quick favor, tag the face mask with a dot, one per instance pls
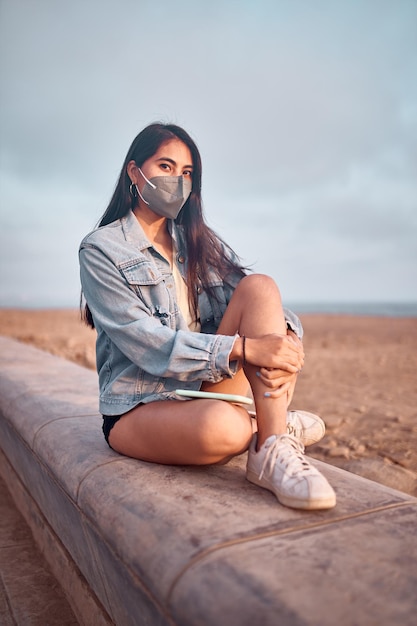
(165, 195)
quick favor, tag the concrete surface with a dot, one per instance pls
(150, 544)
(29, 592)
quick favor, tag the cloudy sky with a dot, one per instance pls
(305, 112)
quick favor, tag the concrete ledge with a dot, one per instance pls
(138, 543)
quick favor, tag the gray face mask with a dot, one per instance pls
(165, 195)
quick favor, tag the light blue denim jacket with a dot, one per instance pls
(144, 348)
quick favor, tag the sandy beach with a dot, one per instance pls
(360, 376)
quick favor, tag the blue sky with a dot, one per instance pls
(305, 113)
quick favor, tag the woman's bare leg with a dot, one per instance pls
(210, 431)
(191, 432)
(255, 310)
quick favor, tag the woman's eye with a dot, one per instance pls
(165, 167)
(187, 173)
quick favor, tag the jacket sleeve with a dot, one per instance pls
(142, 337)
(294, 323)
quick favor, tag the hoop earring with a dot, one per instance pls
(133, 190)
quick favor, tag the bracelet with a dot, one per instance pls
(244, 350)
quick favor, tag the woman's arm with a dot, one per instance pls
(137, 333)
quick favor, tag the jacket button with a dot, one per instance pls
(181, 259)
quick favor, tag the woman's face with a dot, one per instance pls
(173, 158)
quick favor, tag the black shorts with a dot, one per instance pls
(108, 423)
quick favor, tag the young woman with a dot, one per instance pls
(174, 309)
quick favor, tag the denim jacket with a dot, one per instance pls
(144, 348)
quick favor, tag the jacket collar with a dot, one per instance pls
(135, 235)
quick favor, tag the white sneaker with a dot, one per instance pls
(281, 467)
(307, 427)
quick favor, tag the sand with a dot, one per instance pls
(359, 375)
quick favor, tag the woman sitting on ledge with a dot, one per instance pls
(174, 309)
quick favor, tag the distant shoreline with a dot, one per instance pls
(373, 309)
(366, 309)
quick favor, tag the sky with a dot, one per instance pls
(305, 114)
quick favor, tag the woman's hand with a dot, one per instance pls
(277, 382)
(275, 352)
(275, 378)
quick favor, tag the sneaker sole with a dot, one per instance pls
(295, 503)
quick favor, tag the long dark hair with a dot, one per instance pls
(205, 249)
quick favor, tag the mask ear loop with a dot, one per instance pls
(134, 192)
(147, 180)
(149, 183)
(140, 195)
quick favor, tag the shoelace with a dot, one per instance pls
(290, 451)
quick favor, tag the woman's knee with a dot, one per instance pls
(257, 282)
(226, 431)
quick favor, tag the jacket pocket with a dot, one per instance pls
(149, 285)
(140, 273)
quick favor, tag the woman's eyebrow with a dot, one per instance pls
(173, 162)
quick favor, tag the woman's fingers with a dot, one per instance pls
(273, 379)
(275, 351)
(285, 354)
(277, 393)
